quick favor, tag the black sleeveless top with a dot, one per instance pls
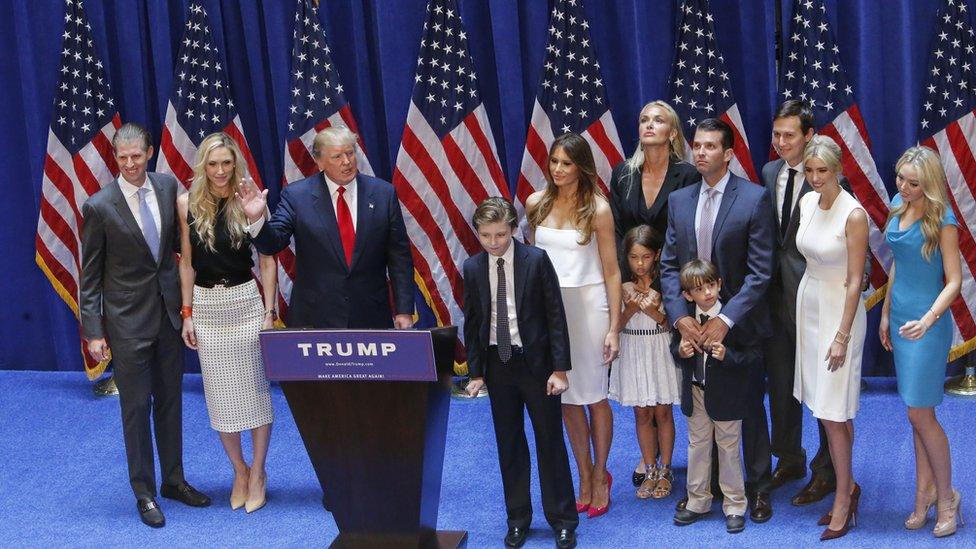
(224, 264)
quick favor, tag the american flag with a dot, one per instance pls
(811, 71)
(317, 103)
(699, 86)
(79, 160)
(447, 163)
(571, 98)
(200, 105)
(948, 125)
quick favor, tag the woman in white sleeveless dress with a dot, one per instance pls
(572, 221)
(830, 323)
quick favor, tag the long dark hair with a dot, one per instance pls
(578, 150)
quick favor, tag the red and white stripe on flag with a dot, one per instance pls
(570, 98)
(317, 102)
(447, 163)
(77, 164)
(948, 125)
(812, 71)
(200, 104)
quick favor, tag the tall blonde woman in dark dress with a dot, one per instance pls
(223, 311)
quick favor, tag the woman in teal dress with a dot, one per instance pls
(915, 323)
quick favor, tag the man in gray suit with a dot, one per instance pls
(130, 299)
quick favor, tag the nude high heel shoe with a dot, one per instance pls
(916, 521)
(948, 527)
(239, 497)
(257, 500)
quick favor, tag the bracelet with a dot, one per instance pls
(186, 311)
(842, 338)
(937, 317)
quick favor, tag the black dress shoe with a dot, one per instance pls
(685, 517)
(516, 536)
(638, 478)
(815, 490)
(735, 524)
(680, 506)
(185, 493)
(566, 538)
(787, 473)
(761, 509)
(150, 513)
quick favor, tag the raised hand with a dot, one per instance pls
(253, 200)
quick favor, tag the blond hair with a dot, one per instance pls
(203, 203)
(676, 145)
(932, 179)
(578, 150)
(825, 149)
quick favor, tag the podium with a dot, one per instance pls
(372, 407)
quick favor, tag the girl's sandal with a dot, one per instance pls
(662, 488)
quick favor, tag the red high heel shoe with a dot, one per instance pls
(855, 498)
(582, 507)
(851, 521)
(594, 512)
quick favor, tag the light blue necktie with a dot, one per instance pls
(149, 229)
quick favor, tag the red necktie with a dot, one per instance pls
(346, 230)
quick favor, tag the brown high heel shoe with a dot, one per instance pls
(855, 498)
(829, 534)
(916, 520)
(948, 527)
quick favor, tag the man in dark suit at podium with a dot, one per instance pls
(349, 235)
(516, 338)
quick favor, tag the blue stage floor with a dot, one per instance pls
(63, 480)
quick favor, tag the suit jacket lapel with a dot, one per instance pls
(485, 294)
(166, 215)
(689, 219)
(122, 209)
(771, 187)
(322, 204)
(521, 276)
(365, 208)
(728, 198)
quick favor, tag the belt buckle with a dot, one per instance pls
(222, 282)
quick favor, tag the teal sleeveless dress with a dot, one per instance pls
(920, 365)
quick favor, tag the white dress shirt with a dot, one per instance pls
(711, 313)
(509, 257)
(784, 174)
(131, 194)
(719, 193)
(350, 197)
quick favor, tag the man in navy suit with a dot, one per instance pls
(517, 341)
(349, 236)
(726, 220)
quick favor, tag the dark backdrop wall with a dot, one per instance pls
(883, 44)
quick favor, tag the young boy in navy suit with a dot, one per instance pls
(517, 343)
(714, 397)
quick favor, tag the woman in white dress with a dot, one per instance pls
(572, 221)
(830, 324)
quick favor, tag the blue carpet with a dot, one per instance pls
(63, 480)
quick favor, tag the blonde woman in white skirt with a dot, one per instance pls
(223, 311)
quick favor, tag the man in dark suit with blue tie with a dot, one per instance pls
(517, 341)
(349, 236)
(130, 299)
(726, 220)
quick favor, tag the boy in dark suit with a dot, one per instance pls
(517, 342)
(714, 393)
